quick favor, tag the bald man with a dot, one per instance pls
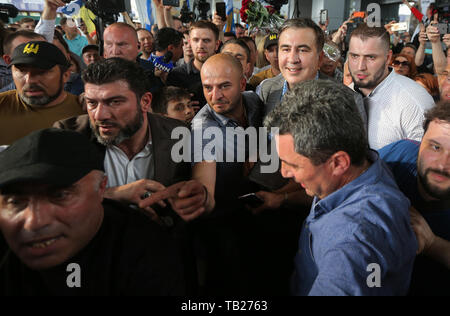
(222, 233)
(121, 40)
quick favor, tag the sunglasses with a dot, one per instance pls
(398, 63)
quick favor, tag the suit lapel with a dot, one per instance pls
(161, 144)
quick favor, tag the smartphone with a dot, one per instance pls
(221, 10)
(251, 200)
(443, 28)
(402, 26)
(173, 3)
(323, 16)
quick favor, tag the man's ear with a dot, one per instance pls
(389, 57)
(339, 163)
(321, 57)
(66, 76)
(243, 83)
(217, 45)
(146, 102)
(7, 59)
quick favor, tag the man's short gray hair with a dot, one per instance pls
(323, 119)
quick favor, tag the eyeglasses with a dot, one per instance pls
(398, 63)
(331, 52)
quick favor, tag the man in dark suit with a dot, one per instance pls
(137, 147)
(136, 143)
(300, 45)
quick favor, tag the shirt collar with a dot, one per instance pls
(145, 152)
(226, 121)
(191, 68)
(335, 199)
(221, 119)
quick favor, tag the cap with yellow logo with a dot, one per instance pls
(38, 54)
(272, 39)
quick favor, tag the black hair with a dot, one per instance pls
(115, 69)
(167, 36)
(167, 94)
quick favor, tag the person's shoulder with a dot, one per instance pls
(7, 94)
(165, 122)
(251, 97)
(181, 69)
(8, 101)
(275, 82)
(401, 150)
(203, 119)
(78, 123)
(410, 93)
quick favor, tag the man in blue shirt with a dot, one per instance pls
(422, 172)
(75, 41)
(357, 239)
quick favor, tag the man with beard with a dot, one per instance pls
(137, 148)
(422, 172)
(395, 104)
(137, 144)
(204, 40)
(40, 71)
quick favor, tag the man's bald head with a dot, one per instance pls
(123, 27)
(227, 60)
(223, 83)
(121, 40)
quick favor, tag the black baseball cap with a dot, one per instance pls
(90, 47)
(49, 156)
(39, 54)
(272, 39)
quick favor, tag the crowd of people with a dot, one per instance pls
(356, 124)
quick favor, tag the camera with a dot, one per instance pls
(7, 11)
(186, 16)
(203, 8)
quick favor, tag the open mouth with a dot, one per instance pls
(293, 70)
(43, 243)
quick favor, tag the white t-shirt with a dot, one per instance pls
(395, 110)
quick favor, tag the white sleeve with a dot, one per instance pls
(46, 28)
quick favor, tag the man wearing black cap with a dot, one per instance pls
(90, 54)
(271, 55)
(59, 237)
(40, 71)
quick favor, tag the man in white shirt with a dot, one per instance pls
(395, 104)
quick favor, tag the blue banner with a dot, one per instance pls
(72, 8)
(229, 27)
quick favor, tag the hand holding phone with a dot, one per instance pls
(251, 200)
(173, 3)
(221, 10)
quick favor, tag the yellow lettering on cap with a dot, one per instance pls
(273, 37)
(31, 48)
